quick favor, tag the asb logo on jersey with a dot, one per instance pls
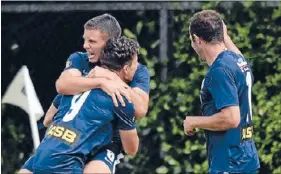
(62, 133)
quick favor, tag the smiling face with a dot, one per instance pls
(94, 41)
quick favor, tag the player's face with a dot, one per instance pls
(94, 41)
(130, 69)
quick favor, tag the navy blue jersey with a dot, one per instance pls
(56, 101)
(84, 124)
(228, 82)
(140, 80)
(80, 61)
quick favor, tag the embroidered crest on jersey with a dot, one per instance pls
(68, 63)
(242, 64)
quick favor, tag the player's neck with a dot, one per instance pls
(122, 76)
(212, 51)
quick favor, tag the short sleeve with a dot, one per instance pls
(74, 61)
(222, 88)
(141, 79)
(125, 117)
(56, 101)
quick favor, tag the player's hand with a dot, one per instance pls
(116, 89)
(224, 30)
(99, 72)
(188, 129)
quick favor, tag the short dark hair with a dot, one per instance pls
(118, 52)
(105, 23)
(207, 25)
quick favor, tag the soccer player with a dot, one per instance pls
(86, 119)
(79, 65)
(73, 80)
(225, 98)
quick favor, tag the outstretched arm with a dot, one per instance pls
(228, 42)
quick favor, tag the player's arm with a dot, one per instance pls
(140, 99)
(52, 110)
(50, 115)
(227, 118)
(228, 42)
(71, 81)
(138, 90)
(224, 92)
(127, 129)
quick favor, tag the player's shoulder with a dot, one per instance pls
(129, 106)
(79, 55)
(99, 93)
(142, 70)
(225, 61)
(233, 62)
(142, 67)
(59, 95)
(228, 59)
(128, 109)
(99, 96)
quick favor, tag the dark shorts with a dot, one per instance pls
(110, 155)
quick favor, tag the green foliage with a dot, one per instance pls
(13, 145)
(164, 147)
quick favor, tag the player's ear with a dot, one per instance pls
(125, 68)
(196, 39)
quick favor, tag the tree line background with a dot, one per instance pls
(43, 42)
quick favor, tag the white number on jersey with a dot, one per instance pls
(249, 84)
(76, 104)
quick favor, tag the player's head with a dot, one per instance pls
(206, 28)
(96, 33)
(121, 55)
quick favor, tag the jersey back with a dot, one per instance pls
(141, 79)
(228, 82)
(83, 123)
